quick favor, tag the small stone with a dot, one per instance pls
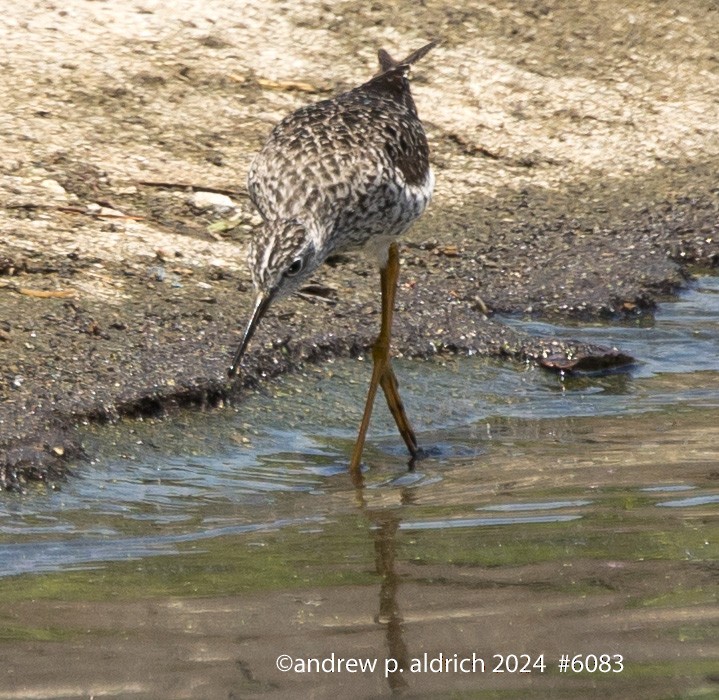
(108, 211)
(54, 188)
(211, 200)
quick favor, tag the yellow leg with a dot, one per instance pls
(388, 382)
(382, 373)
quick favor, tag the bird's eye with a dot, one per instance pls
(295, 268)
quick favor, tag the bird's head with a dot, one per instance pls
(281, 257)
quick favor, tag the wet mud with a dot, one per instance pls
(123, 294)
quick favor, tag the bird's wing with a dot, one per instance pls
(256, 197)
(386, 62)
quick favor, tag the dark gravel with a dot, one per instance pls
(596, 138)
(589, 252)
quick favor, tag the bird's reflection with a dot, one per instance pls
(384, 533)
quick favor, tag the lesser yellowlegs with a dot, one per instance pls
(349, 172)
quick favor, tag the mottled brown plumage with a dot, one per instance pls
(348, 172)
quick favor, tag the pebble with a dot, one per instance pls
(211, 200)
(108, 211)
(54, 188)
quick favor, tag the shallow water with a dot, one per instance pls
(555, 515)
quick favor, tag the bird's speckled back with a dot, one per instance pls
(347, 172)
(350, 168)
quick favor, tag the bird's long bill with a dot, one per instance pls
(262, 301)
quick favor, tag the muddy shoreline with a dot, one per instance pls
(119, 298)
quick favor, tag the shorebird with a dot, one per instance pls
(345, 173)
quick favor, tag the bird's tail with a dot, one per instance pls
(386, 62)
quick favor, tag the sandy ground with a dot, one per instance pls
(576, 148)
